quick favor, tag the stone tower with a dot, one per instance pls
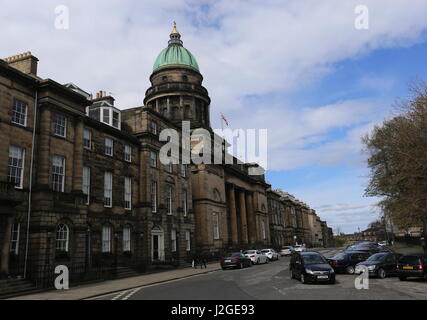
(176, 90)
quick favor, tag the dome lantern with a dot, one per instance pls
(175, 54)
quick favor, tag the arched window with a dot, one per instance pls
(62, 237)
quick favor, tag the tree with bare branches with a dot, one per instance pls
(397, 160)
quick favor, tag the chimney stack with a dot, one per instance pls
(24, 62)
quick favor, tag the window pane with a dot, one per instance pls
(108, 189)
(60, 125)
(16, 166)
(58, 173)
(86, 183)
(87, 137)
(19, 113)
(128, 193)
(106, 239)
(126, 239)
(62, 238)
(154, 197)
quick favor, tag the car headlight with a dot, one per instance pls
(309, 271)
(372, 268)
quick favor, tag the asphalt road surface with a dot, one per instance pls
(272, 282)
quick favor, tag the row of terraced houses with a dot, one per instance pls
(82, 185)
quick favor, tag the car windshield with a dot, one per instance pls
(250, 252)
(265, 251)
(377, 257)
(314, 259)
(284, 248)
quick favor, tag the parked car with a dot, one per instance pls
(235, 260)
(271, 254)
(412, 266)
(286, 251)
(256, 256)
(345, 262)
(369, 247)
(311, 267)
(299, 248)
(383, 243)
(381, 264)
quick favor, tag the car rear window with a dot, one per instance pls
(250, 252)
(410, 260)
(236, 255)
(340, 256)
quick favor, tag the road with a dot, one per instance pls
(272, 282)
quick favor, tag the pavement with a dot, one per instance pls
(112, 286)
(262, 282)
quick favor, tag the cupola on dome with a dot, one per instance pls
(175, 54)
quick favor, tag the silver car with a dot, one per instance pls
(256, 256)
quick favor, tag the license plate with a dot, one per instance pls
(408, 268)
(322, 277)
(227, 261)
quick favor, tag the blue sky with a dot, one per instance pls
(298, 68)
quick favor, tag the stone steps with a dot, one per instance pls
(16, 287)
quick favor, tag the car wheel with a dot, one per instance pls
(381, 273)
(332, 281)
(292, 275)
(303, 280)
(241, 265)
(349, 270)
(267, 261)
(257, 262)
(402, 278)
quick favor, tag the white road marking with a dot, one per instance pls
(118, 296)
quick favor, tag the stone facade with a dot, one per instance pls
(83, 179)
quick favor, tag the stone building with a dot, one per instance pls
(83, 179)
(82, 183)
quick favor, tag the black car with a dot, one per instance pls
(369, 247)
(412, 266)
(381, 264)
(345, 262)
(311, 267)
(235, 260)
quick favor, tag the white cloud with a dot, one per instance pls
(244, 48)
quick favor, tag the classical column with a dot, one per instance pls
(251, 219)
(243, 217)
(4, 266)
(78, 156)
(233, 215)
(44, 147)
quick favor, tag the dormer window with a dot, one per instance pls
(105, 112)
(111, 116)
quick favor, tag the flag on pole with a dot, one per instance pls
(224, 119)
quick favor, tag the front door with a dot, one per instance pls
(157, 247)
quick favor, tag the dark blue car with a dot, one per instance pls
(345, 262)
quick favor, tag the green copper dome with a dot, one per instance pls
(175, 54)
